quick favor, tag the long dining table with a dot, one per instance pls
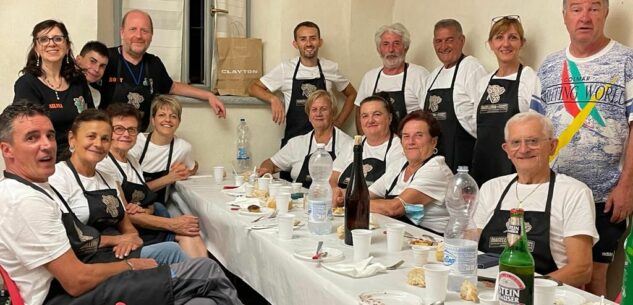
(269, 265)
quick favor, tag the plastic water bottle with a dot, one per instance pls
(460, 236)
(320, 192)
(243, 157)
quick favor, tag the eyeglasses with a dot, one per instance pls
(529, 142)
(118, 129)
(508, 17)
(44, 40)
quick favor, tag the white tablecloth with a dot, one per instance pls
(267, 263)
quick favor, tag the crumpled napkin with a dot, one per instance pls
(238, 191)
(244, 202)
(357, 270)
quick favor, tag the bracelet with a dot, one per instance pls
(129, 264)
(404, 204)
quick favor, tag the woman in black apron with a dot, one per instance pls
(321, 111)
(500, 100)
(90, 141)
(375, 117)
(393, 196)
(153, 227)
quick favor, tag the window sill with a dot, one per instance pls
(227, 100)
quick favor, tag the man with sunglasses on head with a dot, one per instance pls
(586, 89)
(449, 93)
(559, 210)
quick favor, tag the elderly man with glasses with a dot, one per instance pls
(559, 210)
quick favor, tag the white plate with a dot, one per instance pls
(236, 192)
(389, 297)
(333, 254)
(564, 297)
(263, 211)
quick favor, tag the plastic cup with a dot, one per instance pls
(273, 187)
(436, 276)
(249, 189)
(361, 238)
(285, 225)
(282, 200)
(262, 183)
(489, 298)
(544, 291)
(395, 236)
(297, 187)
(421, 256)
(218, 174)
(239, 180)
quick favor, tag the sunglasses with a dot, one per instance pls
(508, 17)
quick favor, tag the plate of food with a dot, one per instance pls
(389, 297)
(564, 297)
(421, 243)
(255, 210)
(333, 254)
(338, 212)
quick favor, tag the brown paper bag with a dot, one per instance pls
(239, 64)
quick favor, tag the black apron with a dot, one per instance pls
(141, 194)
(489, 159)
(297, 122)
(106, 210)
(373, 168)
(396, 98)
(455, 143)
(161, 194)
(139, 95)
(537, 224)
(304, 174)
(388, 194)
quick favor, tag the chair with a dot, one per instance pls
(14, 293)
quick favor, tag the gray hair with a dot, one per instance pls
(449, 23)
(14, 111)
(605, 2)
(548, 128)
(396, 28)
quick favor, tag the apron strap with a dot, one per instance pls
(74, 171)
(395, 181)
(149, 139)
(404, 78)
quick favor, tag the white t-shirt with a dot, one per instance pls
(106, 166)
(65, 183)
(290, 157)
(157, 155)
(528, 86)
(572, 212)
(394, 154)
(469, 73)
(32, 235)
(280, 77)
(431, 179)
(416, 76)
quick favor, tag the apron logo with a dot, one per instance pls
(435, 101)
(367, 168)
(80, 103)
(137, 196)
(81, 235)
(135, 99)
(307, 89)
(112, 204)
(494, 93)
(509, 227)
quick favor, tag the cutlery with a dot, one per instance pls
(396, 265)
(319, 246)
(273, 215)
(437, 303)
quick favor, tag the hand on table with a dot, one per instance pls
(178, 171)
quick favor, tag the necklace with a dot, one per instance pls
(516, 193)
(55, 88)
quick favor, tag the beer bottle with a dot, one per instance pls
(627, 282)
(356, 195)
(516, 265)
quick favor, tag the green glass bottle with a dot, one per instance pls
(516, 265)
(627, 281)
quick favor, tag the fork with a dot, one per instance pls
(273, 215)
(396, 265)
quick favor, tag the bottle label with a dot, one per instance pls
(242, 154)
(461, 256)
(510, 288)
(513, 233)
(318, 211)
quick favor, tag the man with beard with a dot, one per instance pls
(298, 78)
(449, 93)
(135, 77)
(400, 82)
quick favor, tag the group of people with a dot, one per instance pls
(553, 142)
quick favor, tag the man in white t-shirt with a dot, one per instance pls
(559, 210)
(400, 82)
(92, 60)
(298, 78)
(449, 93)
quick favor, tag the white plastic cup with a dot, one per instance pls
(239, 180)
(218, 174)
(273, 188)
(395, 236)
(421, 256)
(436, 276)
(285, 225)
(544, 291)
(297, 187)
(361, 238)
(489, 298)
(282, 200)
(249, 189)
(262, 183)
(286, 189)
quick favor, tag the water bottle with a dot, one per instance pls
(320, 192)
(243, 157)
(460, 236)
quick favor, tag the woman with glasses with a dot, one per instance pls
(141, 206)
(52, 79)
(504, 93)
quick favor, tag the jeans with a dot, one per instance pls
(164, 253)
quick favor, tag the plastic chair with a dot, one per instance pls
(14, 293)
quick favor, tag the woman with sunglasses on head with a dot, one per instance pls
(95, 199)
(119, 164)
(381, 146)
(52, 79)
(504, 93)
